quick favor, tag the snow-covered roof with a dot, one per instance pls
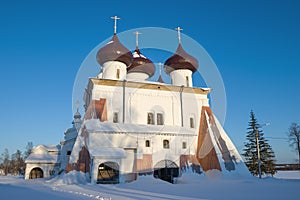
(94, 125)
(44, 154)
(112, 152)
(41, 149)
(43, 158)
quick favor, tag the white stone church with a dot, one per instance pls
(133, 126)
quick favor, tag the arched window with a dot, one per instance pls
(118, 74)
(187, 81)
(115, 117)
(184, 145)
(166, 144)
(160, 119)
(147, 143)
(192, 122)
(150, 118)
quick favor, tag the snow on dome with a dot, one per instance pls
(181, 60)
(77, 115)
(114, 50)
(137, 54)
(141, 64)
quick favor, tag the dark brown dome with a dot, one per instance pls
(181, 60)
(77, 115)
(141, 64)
(114, 50)
(160, 80)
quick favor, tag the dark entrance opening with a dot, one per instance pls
(36, 173)
(166, 170)
(108, 173)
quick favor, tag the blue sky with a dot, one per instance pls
(255, 45)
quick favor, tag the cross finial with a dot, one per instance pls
(178, 31)
(115, 18)
(160, 67)
(137, 38)
(77, 103)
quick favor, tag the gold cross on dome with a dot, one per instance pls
(178, 29)
(115, 18)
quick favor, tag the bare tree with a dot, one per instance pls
(294, 138)
(6, 162)
(17, 163)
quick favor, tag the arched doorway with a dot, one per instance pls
(108, 173)
(36, 173)
(166, 170)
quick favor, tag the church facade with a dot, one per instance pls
(133, 126)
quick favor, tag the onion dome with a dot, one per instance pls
(77, 115)
(181, 60)
(141, 64)
(114, 50)
(160, 80)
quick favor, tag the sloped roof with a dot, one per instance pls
(43, 158)
(46, 148)
(44, 154)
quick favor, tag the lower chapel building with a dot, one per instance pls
(133, 126)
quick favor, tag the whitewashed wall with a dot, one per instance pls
(138, 102)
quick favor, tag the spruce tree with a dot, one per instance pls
(250, 153)
(28, 150)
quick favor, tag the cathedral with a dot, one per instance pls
(133, 126)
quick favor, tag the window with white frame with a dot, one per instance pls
(192, 122)
(183, 145)
(115, 117)
(150, 118)
(187, 81)
(166, 144)
(118, 74)
(147, 143)
(160, 119)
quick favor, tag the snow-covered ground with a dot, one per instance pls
(190, 186)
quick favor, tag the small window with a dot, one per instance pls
(150, 118)
(166, 144)
(192, 123)
(118, 74)
(115, 117)
(68, 153)
(147, 143)
(184, 145)
(160, 119)
(187, 81)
